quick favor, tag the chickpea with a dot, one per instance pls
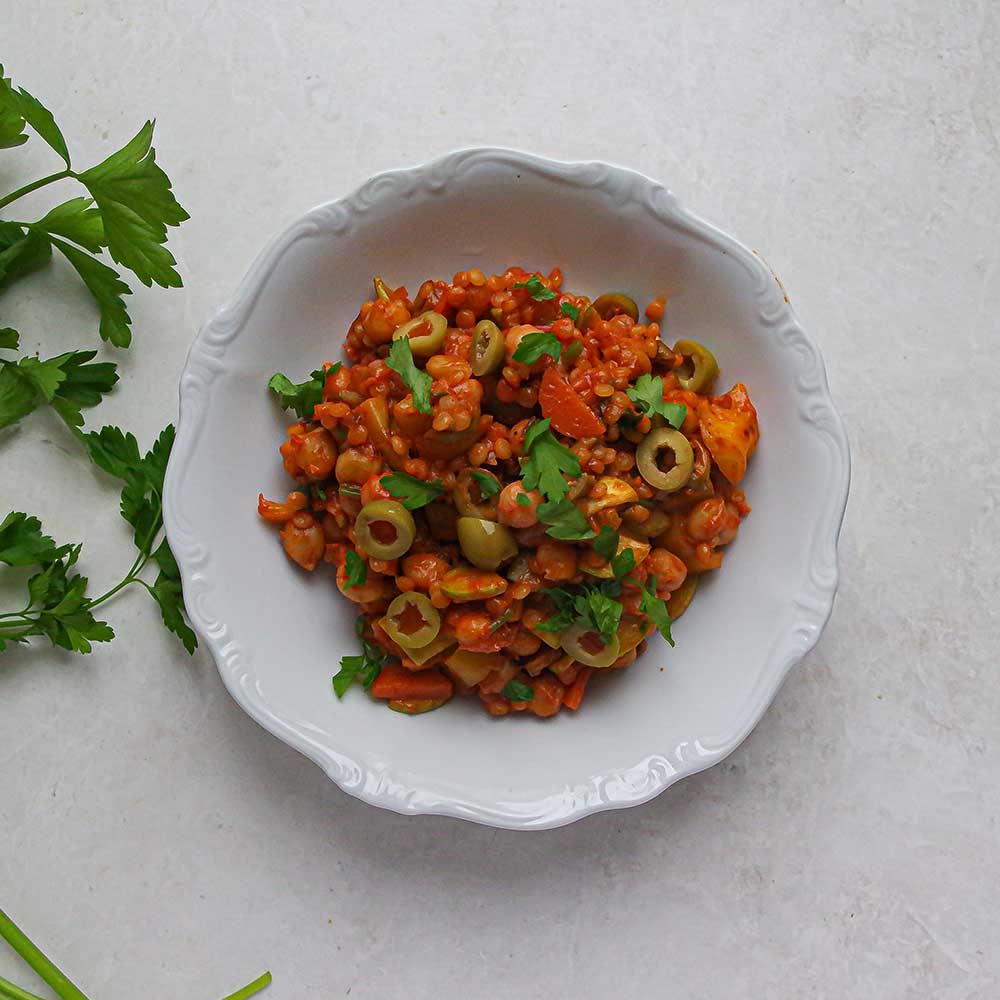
(669, 570)
(303, 540)
(449, 370)
(382, 318)
(375, 588)
(373, 489)
(314, 454)
(425, 569)
(357, 466)
(514, 514)
(524, 643)
(555, 560)
(470, 628)
(713, 519)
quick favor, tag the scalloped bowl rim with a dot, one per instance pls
(613, 789)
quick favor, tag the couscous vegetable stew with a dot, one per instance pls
(516, 486)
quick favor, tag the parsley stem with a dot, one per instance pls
(251, 988)
(34, 186)
(20, 942)
(10, 991)
(130, 577)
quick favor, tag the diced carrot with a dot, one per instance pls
(399, 684)
(574, 693)
(548, 696)
(560, 402)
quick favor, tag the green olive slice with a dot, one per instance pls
(647, 457)
(426, 333)
(412, 621)
(415, 706)
(485, 544)
(657, 522)
(487, 352)
(614, 304)
(384, 529)
(698, 369)
(588, 647)
(465, 583)
(468, 495)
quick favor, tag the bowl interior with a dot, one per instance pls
(292, 627)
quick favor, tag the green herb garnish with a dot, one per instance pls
(606, 543)
(547, 461)
(565, 521)
(518, 691)
(647, 394)
(302, 397)
(536, 289)
(592, 604)
(488, 486)
(502, 620)
(356, 570)
(534, 345)
(58, 606)
(568, 309)
(623, 563)
(656, 609)
(401, 361)
(413, 492)
(364, 667)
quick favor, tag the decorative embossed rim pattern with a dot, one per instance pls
(377, 782)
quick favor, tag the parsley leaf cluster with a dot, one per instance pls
(536, 289)
(647, 394)
(363, 668)
(412, 492)
(547, 462)
(302, 397)
(534, 345)
(127, 210)
(401, 361)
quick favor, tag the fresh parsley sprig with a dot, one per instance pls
(594, 604)
(547, 462)
(488, 486)
(302, 397)
(128, 211)
(401, 361)
(534, 345)
(414, 493)
(518, 691)
(564, 520)
(58, 606)
(536, 289)
(647, 394)
(68, 382)
(129, 208)
(356, 570)
(568, 309)
(656, 609)
(363, 668)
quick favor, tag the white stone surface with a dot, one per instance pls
(159, 844)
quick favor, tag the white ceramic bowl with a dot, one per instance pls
(277, 633)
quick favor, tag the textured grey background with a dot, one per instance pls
(161, 845)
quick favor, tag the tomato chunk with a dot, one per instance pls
(564, 406)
